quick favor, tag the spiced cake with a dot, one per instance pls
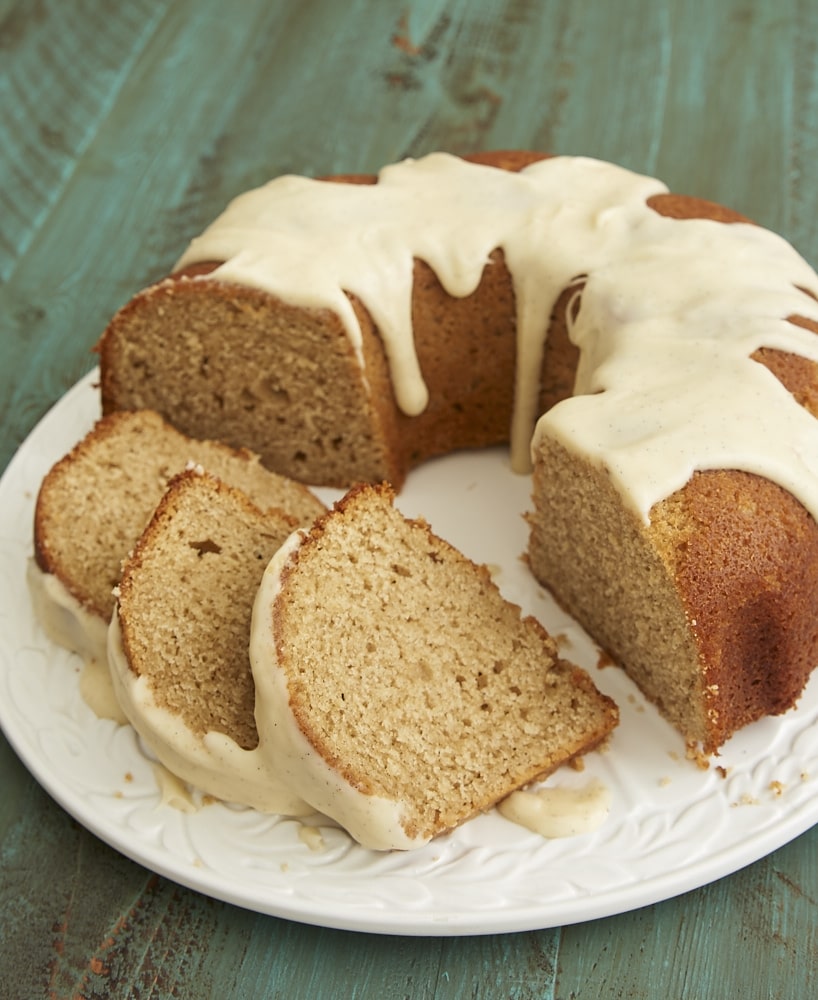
(653, 356)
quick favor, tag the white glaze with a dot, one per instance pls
(68, 623)
(97, 690)
(213, 763)
(63, 618)
(670, 313)
(173, 792)
(558, 811)
(372, 820)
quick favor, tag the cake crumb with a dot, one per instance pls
(746, 800)
(311, 836)
(722, 771)
(695, 753)
(664, 781)
(777, 788)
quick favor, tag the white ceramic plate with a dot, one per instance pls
(672, 826)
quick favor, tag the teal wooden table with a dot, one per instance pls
(123, 129)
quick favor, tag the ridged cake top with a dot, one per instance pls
(671, 310)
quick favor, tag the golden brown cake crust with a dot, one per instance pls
(745, 558)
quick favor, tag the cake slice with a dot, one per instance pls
(396, 689)
(94, 503)
(178, 642)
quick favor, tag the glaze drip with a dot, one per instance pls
(670, 312)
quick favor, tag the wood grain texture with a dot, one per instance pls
(124, 129)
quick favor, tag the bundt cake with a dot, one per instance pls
(94, 503)
(396, 690)
(663, 347)
(178, 640)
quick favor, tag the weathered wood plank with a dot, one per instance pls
(593, 89)
(61, 68)
(728, 109)
(800, 222)
(757, 930)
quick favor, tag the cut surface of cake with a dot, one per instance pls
(396, 689)
(178, 640)
(94, 503)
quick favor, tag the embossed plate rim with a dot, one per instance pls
(672, 826)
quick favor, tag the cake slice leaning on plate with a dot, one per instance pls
(95, 501)
(396, 690)
(178, 640)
